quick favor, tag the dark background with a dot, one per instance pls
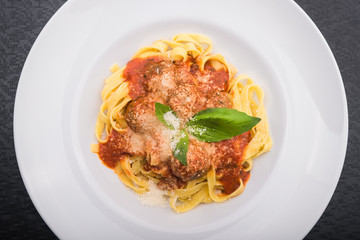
(22, 20)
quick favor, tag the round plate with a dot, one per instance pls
(58, 99)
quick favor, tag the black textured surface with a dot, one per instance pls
(22, 20)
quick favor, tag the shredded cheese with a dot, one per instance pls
(174, 141)
(172, 120)
(200, 131)
(167, 80)
(154, 197)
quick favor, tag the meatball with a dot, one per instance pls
(140, 115)
(185, 100)
(160, 77)
(218, 100)
(198, 162)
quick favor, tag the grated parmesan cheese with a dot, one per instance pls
(154, 197)
(172, 120)
(167, 80)
(174, 141)
(200, 131)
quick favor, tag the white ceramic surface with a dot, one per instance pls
(274, 42)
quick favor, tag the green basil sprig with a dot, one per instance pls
(217, 124)
(210, 125)
(180, 143)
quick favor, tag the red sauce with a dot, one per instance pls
(245, 176)
(217, 80)
(228, 159)
(137, 73)
(230, 179)
(109, 152)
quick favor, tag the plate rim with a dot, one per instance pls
(63, 9)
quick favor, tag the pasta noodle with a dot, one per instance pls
(244, 94)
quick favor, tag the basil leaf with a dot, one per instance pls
(167, 116)
(179, 146)
(217, 124)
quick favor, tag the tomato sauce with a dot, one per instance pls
(228, 159)
(137, 73)
(109, 152)
(215, 80)
(218, 78)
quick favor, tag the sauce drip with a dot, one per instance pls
(109, 152)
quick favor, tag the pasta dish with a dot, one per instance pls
(178, 120)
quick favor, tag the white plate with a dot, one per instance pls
(272, 41)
